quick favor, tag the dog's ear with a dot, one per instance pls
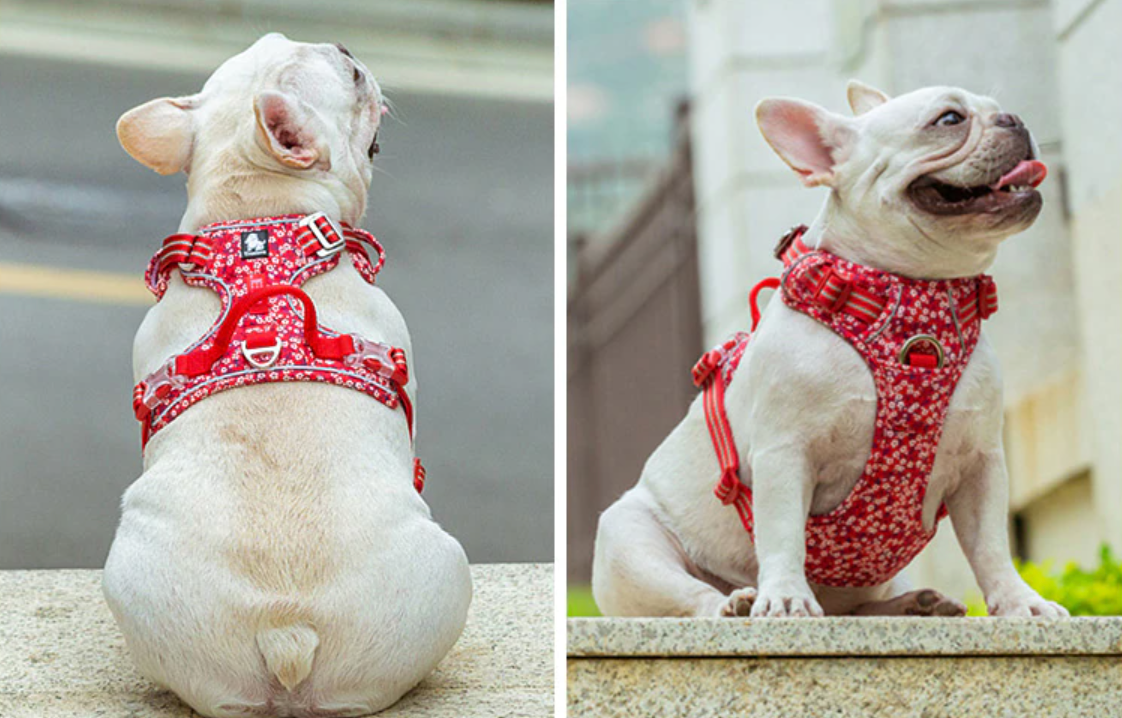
(863, 98)
(810, 139)
(289, 130)
(159, 134)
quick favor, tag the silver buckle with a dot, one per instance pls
(164, 376)
(327, 247)
(366, 349)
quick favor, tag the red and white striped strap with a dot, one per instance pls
(830, 288)
(186, 249)
(357, 242)
(318, 237)
(838, 293)
(982, 302)
(729, 490)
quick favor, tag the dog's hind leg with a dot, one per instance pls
(640, 569)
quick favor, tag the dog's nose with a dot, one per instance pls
(1007, 120)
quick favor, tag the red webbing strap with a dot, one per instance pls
(982, 302)
(311, 243)
(180, 249)
(713, 401)
(357, 237)
(201, 360)
(729, 490)
(707, 374)
(354, 239)
(406, 407)
(769, 283)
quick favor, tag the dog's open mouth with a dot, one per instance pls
(1014, 188)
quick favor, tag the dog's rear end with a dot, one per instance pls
(274, 557)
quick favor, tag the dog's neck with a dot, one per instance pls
(229, 187)
(923, 257)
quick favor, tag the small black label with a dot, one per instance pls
(255, 244)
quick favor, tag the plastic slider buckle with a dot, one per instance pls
(375, 356)
(159, 384)
(327, 247)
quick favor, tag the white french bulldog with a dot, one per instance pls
(274, 558)
(921, 186)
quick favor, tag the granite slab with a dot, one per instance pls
(845, 667)
(61, 655)
(842, 636)
(864, 687)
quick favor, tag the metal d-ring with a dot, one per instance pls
(939, 354)
(262, 357)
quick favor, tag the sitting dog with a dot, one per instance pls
(275, 557)
(818, 431)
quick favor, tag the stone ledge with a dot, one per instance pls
(845, 667)
(704, 637)
(61, 655)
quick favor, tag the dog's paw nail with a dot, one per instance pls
(739, 603)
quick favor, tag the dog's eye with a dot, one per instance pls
(948, 118)
(374, 148)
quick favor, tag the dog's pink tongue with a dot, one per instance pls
(1027, 172)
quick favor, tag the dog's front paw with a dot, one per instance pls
(739, 603)
(786, 598)
(1023, 602)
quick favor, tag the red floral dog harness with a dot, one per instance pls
(267, 330)
(916, 337)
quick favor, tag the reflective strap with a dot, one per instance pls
(981, 302)
(176, 250)
(839, 294)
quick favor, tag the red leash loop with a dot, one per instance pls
(769, 283)
(201, 360)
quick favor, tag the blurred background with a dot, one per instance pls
(679, 202)
(462, 199)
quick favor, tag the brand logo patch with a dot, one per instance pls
(255, 244)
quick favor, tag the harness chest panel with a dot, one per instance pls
(916, 337)
(267, 329)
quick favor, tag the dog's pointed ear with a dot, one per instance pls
(289, 130)
(160, 133)
(810, 139)
(863, 98)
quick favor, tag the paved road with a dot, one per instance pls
(463, 203)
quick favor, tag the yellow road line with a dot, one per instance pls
(75, 284)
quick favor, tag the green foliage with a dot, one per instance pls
(1096, 592)
(581, 603)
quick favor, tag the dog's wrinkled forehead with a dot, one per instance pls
(912, 112)
(314, 71)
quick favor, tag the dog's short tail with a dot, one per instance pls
(289, 649)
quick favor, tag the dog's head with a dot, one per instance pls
(932, 180)
(309, 110)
